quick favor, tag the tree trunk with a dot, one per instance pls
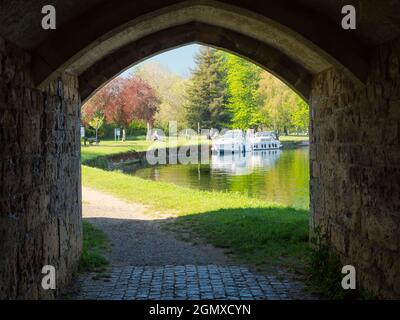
(149, 133)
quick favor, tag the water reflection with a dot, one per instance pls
(280, 176)
(243, 163)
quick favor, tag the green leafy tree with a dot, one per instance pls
(97, 122)
(286, 111)
(207, 95)
(170, 90)
(92, 112)
(243, 79)
(301, 116)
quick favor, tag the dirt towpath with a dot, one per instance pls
(136, 236)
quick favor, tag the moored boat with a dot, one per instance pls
(231, 141)
(265, 141)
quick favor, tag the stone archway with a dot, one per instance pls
(216, 23)
(351, 80)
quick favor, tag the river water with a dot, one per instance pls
(280, 176)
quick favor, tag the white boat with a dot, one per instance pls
(265, 141)
(231, 141)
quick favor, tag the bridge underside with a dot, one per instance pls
(350, 78)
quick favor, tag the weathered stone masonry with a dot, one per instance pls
(40, 208)
(355, 169)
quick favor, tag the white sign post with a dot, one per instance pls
(117, 133)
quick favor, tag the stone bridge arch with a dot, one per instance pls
(267, 57)
(271, 40)
(350, 78)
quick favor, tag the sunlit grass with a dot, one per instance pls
(109, 147)
(293, 138)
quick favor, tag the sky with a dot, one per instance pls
(178, 61)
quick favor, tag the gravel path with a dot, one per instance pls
(136, 236)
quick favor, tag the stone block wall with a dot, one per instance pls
(355, 169)
(40, 189)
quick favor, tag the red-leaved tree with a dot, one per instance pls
(141, 98)
(121, 101)
(132, 99)
(101, 100)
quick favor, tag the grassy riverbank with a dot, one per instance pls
(254, 231)
(110, 147)
(293, 138)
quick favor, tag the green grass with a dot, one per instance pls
(95, 244)
(293, 138)
(264, 237)
(255, 232)
(109, 147)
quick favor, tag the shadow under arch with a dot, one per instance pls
(288, 39)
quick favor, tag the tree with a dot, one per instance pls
(139, 100)
(93, 111)
(301, 116)
(207, 93)
(121, 101)
(131, 99)
(243, 79)
(96, 123)
(170, 90)
(285, 109)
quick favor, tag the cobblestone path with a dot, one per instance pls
(188, 283)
